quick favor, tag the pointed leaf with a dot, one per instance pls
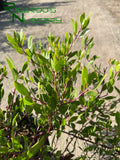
(14, 73)
(117, 118)
(117, 68)
(82, 17)
(30, 42)
(84, 76)
(21, 88)
(86, 22)
(28, 100)
(36, 147)
(92, 93)
(85, 31)
(100, 82)
(24, 67)
(11, 40)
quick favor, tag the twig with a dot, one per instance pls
(53, 72)
(71, 101)
(74, 40)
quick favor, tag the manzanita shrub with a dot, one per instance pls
(45, 102)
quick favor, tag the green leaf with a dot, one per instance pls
(85, 31)
(63, 109)
(10, 63)
(52, 102)
(28, 53)
(82, 54)
(24, 67)
(66, 37)
(86, 22)
(28, 100)
(100, 82)
(110, 97)
(23, 40)
(117, 118)
(59, 64)
(30, 42)
(21, 35)
(74, 118)
(75, 29)
(3, 149)
(38, 108)
(12, 68)
(75, 70)
(82, 17)
(72, 54)
(31, 79)
(111, 72)
(21, 88)
(84, 77)
(10, 97)
(73, 25)
(48, 73)
(117, 90)
(70, 38)
(15, 74)
(92, 93)
(117, 68)
(14, 119)
(37, 147)
(11, 40)
(42, 60)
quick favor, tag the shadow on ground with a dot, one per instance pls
(7, 24)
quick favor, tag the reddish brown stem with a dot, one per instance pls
(76, 36)
(55, 83)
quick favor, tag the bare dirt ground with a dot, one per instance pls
(104, 24)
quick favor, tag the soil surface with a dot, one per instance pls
(104, 25)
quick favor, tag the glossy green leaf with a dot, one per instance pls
(117, 90)
(23, 40)
(42, 60)
(82, 54)
(92, 93)
(10, 63)
(75, 70)
(75, 28)
(117, 68)
(82, 17)
(59, 64)
(30, 42)
(117, 118)
(14, 73)
(28, 53)
(63, 109)
(85, 31)
(74, 118)
(11, 40)
(36, 147)
(28, 100)
(84, 77)
(21, 88)
(12, 68)
(100, 82)
(24, 67)
(66, 37)
(85, 23)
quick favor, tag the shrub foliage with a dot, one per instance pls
(49, 91)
